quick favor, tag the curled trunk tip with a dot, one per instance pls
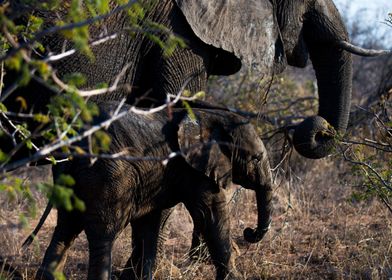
(255, 235)
(314, 138)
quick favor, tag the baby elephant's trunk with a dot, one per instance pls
(262, 185)
(264, 210)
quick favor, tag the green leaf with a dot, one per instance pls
(35, 24)
(136, 13)
(189, 110)
(29, 144)
(3, 156)
(41, 118)
(200, 95)
(53, 160)
(102, 6)
(14, 62)
(43, 68)
(79, 204)
(3, 108)
(100, 142)
(58, 275)
(65, 180)
(25, 77)
(75, 79)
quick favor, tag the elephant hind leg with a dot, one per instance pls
(148, 236)
(67, 229)
(199, 250)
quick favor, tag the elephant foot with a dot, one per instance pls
(228, 271)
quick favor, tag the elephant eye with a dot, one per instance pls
(257, 157)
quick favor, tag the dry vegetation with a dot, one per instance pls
(318, 232)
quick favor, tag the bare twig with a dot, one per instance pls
(13, 43)
(373, 144)
(123, 155)
(96, 42)
(17, 130)
(2, 73)
(60, 56)
(87, 93)
(369, 167)
(292, 103)
(10, 89)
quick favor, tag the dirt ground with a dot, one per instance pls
(318, 232)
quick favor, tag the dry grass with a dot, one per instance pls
(317, 233)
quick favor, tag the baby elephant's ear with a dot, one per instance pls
(202, 148)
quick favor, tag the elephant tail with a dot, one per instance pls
(42, 220)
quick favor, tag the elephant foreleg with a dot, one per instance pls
(67, 229)
(211, 219)
(100, 259)
(147, 241)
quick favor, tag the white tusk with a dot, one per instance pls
(361, 51)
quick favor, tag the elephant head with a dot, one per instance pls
(269, 34)
(226, 148)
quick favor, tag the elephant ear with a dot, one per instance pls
(247, 28)
(204, 150)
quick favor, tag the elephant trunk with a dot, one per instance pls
(262, 185)
(264, 210)
(323, 29)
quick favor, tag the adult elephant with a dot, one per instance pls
(217, 147)
(220, 36)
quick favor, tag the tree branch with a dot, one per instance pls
(66, 27)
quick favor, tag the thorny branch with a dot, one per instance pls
(369, 167)
(370, 143)
(291, 104)
(50, 148)
(376, 171)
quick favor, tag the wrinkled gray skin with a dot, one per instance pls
(221, 35)
(218, 148)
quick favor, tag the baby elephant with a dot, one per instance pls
(216, 147)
